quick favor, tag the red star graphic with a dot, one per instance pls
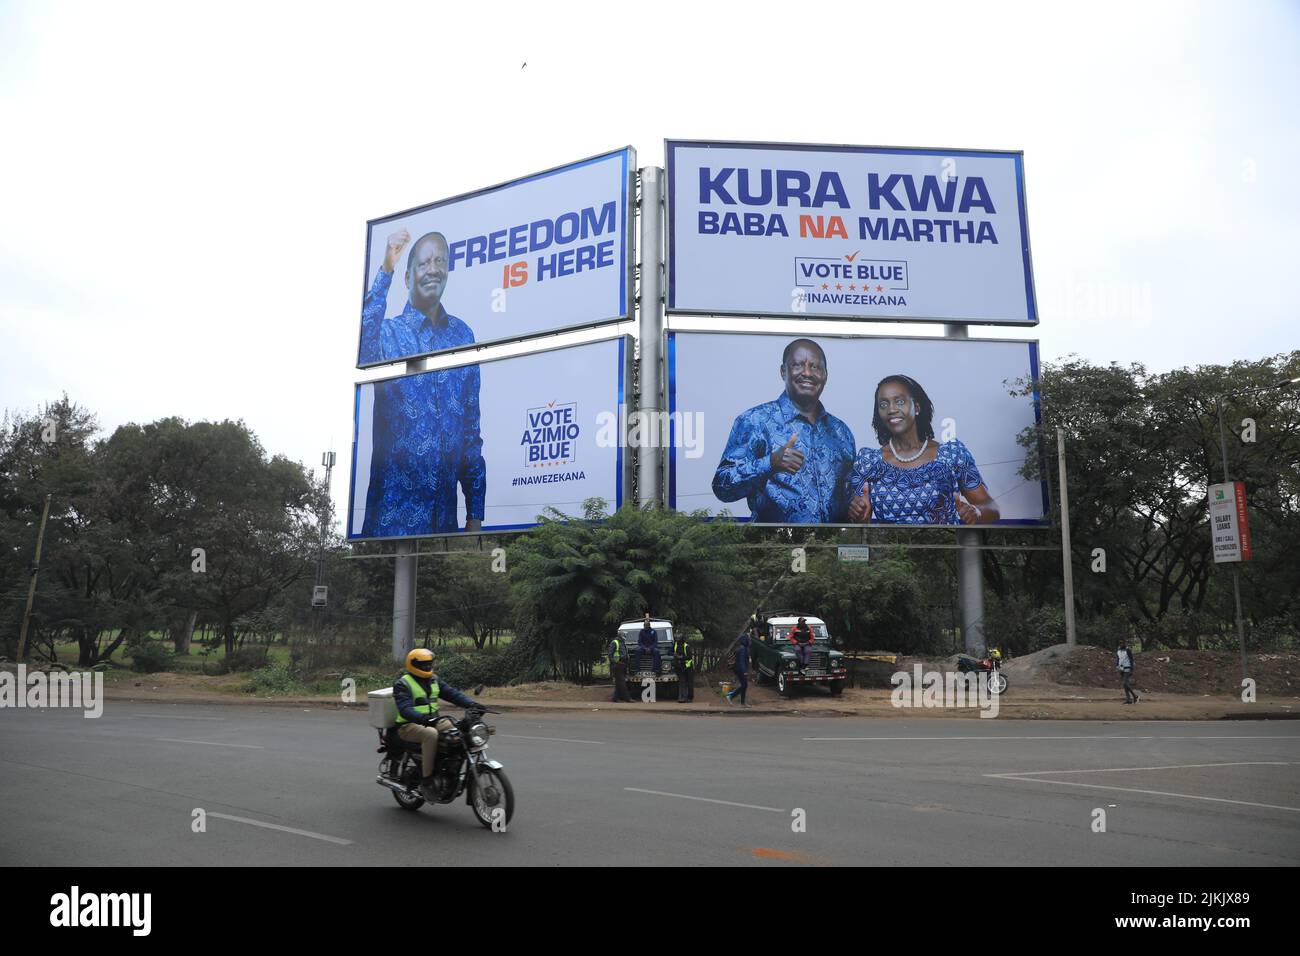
(825, 286)
(838, 286)
(852, 286)
(880, 288)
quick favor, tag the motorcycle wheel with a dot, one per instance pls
(407, 802)
(491, 791)
(997, 683)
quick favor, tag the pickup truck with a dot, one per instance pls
(641, 670)
(774, 658)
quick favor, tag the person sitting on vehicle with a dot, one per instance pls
(801, 637)
(647, 641)
(416, 695)
(995, 654)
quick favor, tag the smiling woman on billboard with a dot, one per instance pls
(912, 478)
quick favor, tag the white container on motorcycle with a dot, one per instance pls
(382, 708)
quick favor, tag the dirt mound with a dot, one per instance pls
(1171, 672)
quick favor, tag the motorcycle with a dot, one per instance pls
(461, 766)
(991, 666)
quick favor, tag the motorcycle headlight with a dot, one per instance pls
(478, 735)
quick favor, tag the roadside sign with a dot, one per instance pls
(854, 552)
(1229, 525)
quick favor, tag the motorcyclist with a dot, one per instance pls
(416, 693)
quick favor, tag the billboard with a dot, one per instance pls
(839, 430)
(488, 446)
(540, 254)
(1229, 522)
(848, 232)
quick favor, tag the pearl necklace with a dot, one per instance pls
(919, 453)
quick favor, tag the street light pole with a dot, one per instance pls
(1236, 573)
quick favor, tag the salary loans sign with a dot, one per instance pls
(497, 442)
(1229, 526)
(537, 255)
(780, 429)
(848, 232)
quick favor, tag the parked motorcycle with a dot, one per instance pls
(461, 766)
(991, 666)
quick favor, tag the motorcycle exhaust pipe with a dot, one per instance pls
(395, 787)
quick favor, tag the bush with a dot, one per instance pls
(246, 658)
(276, 679)
(150, 657)
(340, 652)
(465, 671)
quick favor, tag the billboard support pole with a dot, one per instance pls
(404, 578)
(970, 564)
(1236, 574)
(650, 340)
(1066, 563)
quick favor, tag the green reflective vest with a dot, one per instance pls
(423, 704)
(615, 651)
(682, 651)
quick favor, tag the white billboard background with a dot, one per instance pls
(585, 297)
(760, 275)
(723, 374)
(588, 376)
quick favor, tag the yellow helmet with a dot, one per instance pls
(420, 662)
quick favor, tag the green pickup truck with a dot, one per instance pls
(774, 658)
(641, 667)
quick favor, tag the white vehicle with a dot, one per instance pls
(641, 667)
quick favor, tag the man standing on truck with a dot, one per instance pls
(684, 665)
(618, 668)
(646, 642)
(802, 638)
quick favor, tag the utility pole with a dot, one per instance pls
(970, 563)
(650, 340)
(31, 588)
(1067, 564)
(317, 608)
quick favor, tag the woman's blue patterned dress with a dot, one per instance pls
(921, 495)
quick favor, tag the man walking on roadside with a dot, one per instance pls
(742, 669)
(1124, 661)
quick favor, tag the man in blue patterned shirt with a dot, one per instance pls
(789, 458)
(426, 436)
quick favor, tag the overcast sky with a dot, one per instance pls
(184, 188)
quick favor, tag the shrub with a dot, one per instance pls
(150, 657)
(276, 679)
(246, 658)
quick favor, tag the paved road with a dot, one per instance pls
(655, 790)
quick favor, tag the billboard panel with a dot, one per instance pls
(488, 446)
(848, 232)
(838, 430)
(1229, 522)
(540, 254)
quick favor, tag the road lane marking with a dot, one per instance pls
(727, 803)
(1027, 777)
(1083, 737)
(210, 743)
(276, 826)
(563, 740)
(172, 717)
(1177, 766)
